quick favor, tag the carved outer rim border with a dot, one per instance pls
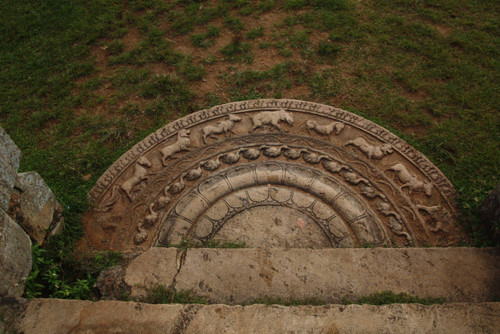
(417, 158)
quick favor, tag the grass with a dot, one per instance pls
(287, 301)
(162, 295)
(389, 297)
(212, 243)
(82, 82)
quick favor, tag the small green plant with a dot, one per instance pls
(161, 295)
(115, 47)
(205, 40)
(286, 302)
(233, 23)
(224, 244)
(264, 45)
(237, 52)
(285, 52)
(295, 4)
(299, 39)
(255, 33)
(326, 48)
(47, 277)
(209, 60)
(389, 297)
(186, 243)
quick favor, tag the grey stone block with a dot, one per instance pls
(35, 207)
(15, 257)
(10, 156)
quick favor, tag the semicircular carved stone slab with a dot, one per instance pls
(280, 173)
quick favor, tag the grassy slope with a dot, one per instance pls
(82, 81)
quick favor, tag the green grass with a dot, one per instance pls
(287, 301)
(237, 52)
(389, 297)
(162, 295)
(212, 243)
(78, 89)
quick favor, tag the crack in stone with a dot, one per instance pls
(180, 258)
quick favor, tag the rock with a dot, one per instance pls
(35, 207)
(15, 257)
(110, 284)
(10, 311)
(489, 213)
(10, 156)
(75, 316)
(234, 276)
(271, 173)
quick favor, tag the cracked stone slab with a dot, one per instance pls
(71, 316)
(10, 155)
(271, 173)
(234, 276)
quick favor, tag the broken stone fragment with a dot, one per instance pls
(15, 257)
(35, 207)
(10, 156)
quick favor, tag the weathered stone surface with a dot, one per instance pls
(15, 257)
(213, 174)
(234, 276)
(65, 316)
(10, 156)
(34, 207)
(489, 212)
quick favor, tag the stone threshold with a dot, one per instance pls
(240, 276)
(72, 316)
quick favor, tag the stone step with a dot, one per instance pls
(71, 316)
(236, 276)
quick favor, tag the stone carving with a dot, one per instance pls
(410, 181)
(251, 153)
(211, 165)
(272, 118)
(151, 218)
(333, 166)
(292, 153)
(141, 234)
(353, 184)
(194, 174)
(371, 151)
(441, 217)
(165, 199)
(393, 219)
(140, 174)
(179, 185)
(272, 151)
(272, 176)
(142, 227)
(182, 144)
(107, 180)
(353, 178)
(325, 130)
(224, 127)
(369, 191)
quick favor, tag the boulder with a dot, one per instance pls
(10, 156)
(15, 257)
(35, 207)
(489, 213)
